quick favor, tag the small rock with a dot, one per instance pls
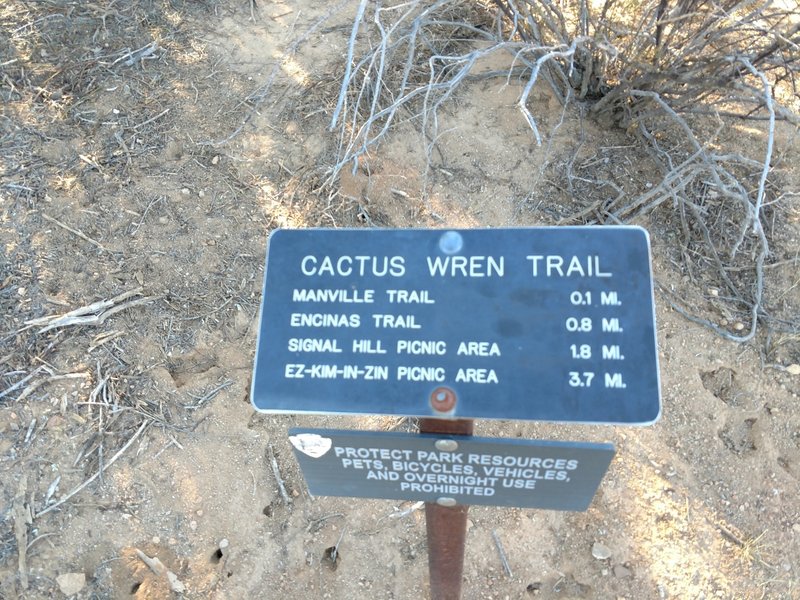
(173, 150)
(175, 584)
(534, 588)
(621, 572)
(601, 551)
(201, 193)
(739, 326)
(163, 220)
(292, 128)
(71, 583)
(793, 369)
(193, 525)
(215, 160)
(56, 423)
(186, 191)
(223, 543)
(796, 528)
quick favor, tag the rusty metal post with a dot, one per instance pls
(446, 524)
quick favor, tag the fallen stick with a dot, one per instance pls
(86, 483)
(21, 513)
(201, 400)
(21, 382)
(157, 567)
(80, 234)
(151, 119)
(93, 314)
(131, 57)
(37, 384)
(404, 513)
(275, 471)
(91, 308)
(501, 551)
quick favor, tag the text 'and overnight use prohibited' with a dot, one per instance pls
(463, 470)
(553, 324)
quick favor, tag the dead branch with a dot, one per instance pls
(80, 234)
(93, 314)
(502, 553)
(277, 473)
(37, 384)
(21, 513)
(158, 567)
(649, 70)
(88, 482)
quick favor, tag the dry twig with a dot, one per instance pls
(200, 400)
(37, 384)
(88, 482)
(158, 567)
(287, 500)
(501, 551)
(80, 234)
(93, 314)
(22, 381)
(701, 57)
(21, 513)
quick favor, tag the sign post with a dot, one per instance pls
(539, 324)
(446, 523)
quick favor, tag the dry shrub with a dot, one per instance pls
(660, 70)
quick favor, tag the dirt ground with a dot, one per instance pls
(147, 149)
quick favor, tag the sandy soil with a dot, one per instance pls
(146, 151)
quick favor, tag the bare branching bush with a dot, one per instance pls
(672, 73)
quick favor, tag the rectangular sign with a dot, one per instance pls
(428, 467)
(553, 324)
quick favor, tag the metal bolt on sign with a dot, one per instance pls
(446, 445)
(443, 400)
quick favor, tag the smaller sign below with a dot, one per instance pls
(451, 469)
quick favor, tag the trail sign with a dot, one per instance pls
(451, 470)
(553, 324)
